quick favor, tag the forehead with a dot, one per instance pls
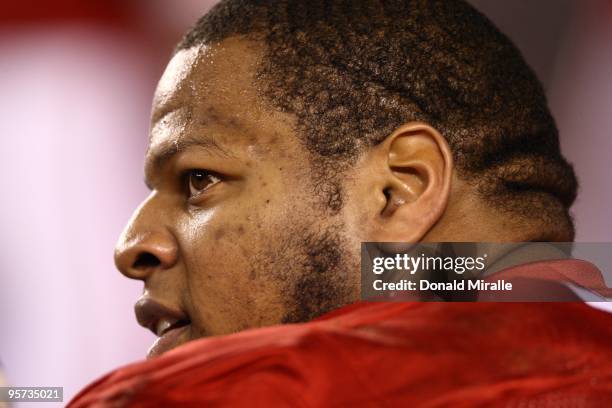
(211, 91)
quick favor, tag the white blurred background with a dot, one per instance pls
(76, 80)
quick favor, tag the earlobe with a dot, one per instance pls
(416, 186)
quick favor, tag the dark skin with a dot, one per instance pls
(233, 235)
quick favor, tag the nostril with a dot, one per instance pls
(146, 260)
(387, 193)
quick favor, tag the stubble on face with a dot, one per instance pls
(313, 263)
(268, 245)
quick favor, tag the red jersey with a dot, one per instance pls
(386, 354)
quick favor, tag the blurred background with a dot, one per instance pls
(76, 81)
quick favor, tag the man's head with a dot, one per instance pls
(284, 133)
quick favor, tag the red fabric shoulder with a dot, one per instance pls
(432, 354)
(386, 354)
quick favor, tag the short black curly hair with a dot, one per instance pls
(352, 71)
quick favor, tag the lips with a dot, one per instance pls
(170, 325)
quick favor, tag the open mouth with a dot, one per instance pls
(169, 324)
(164, 326)
(170, 336)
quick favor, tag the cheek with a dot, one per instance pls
(229, 252)
(220, 250)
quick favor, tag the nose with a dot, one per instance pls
(144, 248)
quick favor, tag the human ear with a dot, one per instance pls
(415, 167)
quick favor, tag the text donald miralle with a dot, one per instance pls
(405, 263)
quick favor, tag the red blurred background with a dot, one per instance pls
(76, 79)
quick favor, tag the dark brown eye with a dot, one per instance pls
(199, 181)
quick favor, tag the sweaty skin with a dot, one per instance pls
(239, 230)
(239, 247)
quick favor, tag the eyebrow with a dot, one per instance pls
(159, 159)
